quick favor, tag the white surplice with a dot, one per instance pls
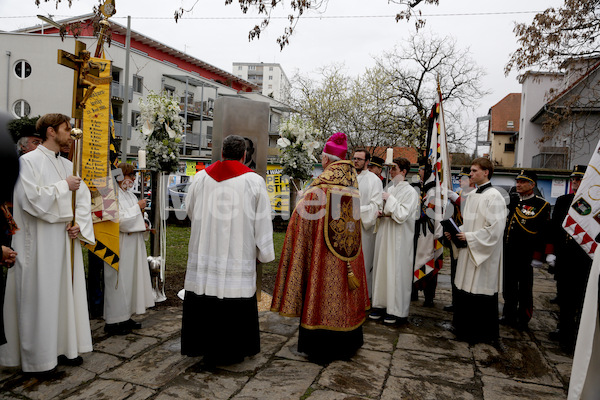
(45, 306)
(128, 291)
(584, 383)
(370, 188)
(394, 250)
(231, 229)
(479, 265)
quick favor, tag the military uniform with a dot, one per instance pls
(525, 240)
(572, 270)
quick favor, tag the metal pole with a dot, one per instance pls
(201, 118)
(126, 94)
(185, 114)
(8, 53)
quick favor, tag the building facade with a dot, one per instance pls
(270, 77)
(35, 84)
(503, 129)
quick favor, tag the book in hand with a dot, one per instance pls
(450, 226)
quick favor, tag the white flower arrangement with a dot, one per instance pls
(162, 128)
(297, 144)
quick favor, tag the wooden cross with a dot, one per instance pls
(85, 77)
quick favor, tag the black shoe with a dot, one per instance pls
(117, 329)
(507, 321)
(428, 303)
(70, 362)
(376, 314)
(449, 308)
(132, 324)
(554, 300)
(390, 320)
(554, 335)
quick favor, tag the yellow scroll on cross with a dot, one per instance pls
(95, 167)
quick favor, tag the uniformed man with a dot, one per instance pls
(572, 268)
(524, 244)
(376, 166)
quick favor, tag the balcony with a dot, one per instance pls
(117, 91)
(119, 130)
(197, 108)
(551, 157)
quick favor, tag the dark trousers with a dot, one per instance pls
(95, 285)
(428, 285)
(571, 283)
(518, 287)
(224, 331)
(475, 317)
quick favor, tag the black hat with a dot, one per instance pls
(377, 161)
(578, 171)
(423, 161)
(527, 175)
(465, 171)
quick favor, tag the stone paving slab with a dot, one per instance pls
(432, 366)
(126, 346)
(364, 375)
(154, 368)
(269, 345)
(290, 350)
(99, 363)
(509, 389)
(331, 395)
(282, 379)
(61, 382)
(432, 344)
(113, 390)
(274, 323)
(398, 388)
(521, 360)
(217, 385)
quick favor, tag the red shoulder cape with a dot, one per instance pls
(222, 170)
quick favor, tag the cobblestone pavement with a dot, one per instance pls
(421, 360)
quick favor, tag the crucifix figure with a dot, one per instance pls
(86, 76)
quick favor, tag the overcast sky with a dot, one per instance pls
(351, 32)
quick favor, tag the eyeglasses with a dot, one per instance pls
(358, 159)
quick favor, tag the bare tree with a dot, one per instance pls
(298, 9)
(414, 71)
(565, 38)
(556, 35)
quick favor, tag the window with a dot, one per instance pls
(134, 118)
(138, 84)
(270, 77)
(270, 87)
(509, 147)
(21, 108)
(239, 67)
(169, 90)
(270, 68)
(510, 124)
(22, 69)
(116, 75)
(252, 67)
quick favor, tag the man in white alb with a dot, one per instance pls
(370, 189)
(45, 309)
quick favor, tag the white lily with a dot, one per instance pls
(147, 128)
(283, 142)
(170, 131)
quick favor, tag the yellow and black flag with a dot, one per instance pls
(98, 161)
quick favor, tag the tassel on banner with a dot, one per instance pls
(353, 282)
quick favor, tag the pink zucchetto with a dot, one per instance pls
(337, 145)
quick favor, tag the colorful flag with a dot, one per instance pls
(583, 219)
(98, 156)
(434, 195)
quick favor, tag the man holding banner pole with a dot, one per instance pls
(46, 316)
